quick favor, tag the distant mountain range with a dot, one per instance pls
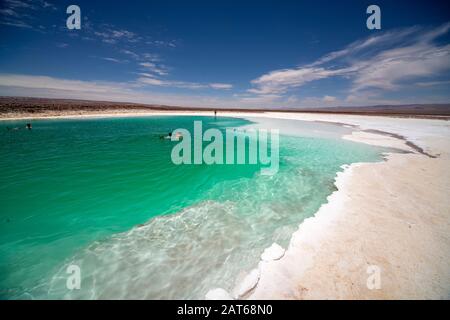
(34, 106)
(409, 109)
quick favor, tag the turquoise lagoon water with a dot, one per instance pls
(103, 194)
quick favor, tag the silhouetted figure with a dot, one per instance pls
(215, 114)
(29, 126)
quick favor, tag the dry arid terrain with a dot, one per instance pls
(24, 107)
(18, 107)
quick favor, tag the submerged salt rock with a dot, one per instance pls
(274, 252)
(248, 284)
(218, 294)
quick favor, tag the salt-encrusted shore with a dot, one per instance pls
(394, 215)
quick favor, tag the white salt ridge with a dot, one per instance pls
(218, 294)
(274, 252)
(248, 284)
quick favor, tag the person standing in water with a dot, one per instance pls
(215, 114)
(29, 126)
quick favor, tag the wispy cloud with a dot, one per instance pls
(154, 74)
(44, 86)
(114, 60)
(49, 87)
(433, 83)
(148, 79)
(46, 4)
(281, 81)
(45, 82)
(101, 89)
(154, 68)
(151, 69)
(130, 53)
(390, 68)
(141, 57)
(329, 99)
(384, 62)
(224, 86)
(161, 43)
(112, 36)
(22, 13)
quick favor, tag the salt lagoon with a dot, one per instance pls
(104, 195)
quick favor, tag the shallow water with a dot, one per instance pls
(104, 195)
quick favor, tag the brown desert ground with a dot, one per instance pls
(24, 107)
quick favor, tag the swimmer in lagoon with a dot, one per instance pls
(27, 126)
(178, 136)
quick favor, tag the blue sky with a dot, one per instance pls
(248, 54)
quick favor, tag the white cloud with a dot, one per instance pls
(44, 82)
(8, 12)
(142, 57)
(259, 101)
(149, 79)
(433, 83)
(130, 53)
(46, 4)
(329, 99)
(281, 81)
(152, 67)
(49, 87)
(153, 81)
(112, 36)
(151, 57)
(383, 62)
(224, 86)
(161, 43)
(90, 87)
(113, 60)
(388, 69)
(21, 13)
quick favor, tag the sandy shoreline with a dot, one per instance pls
(394, 215)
